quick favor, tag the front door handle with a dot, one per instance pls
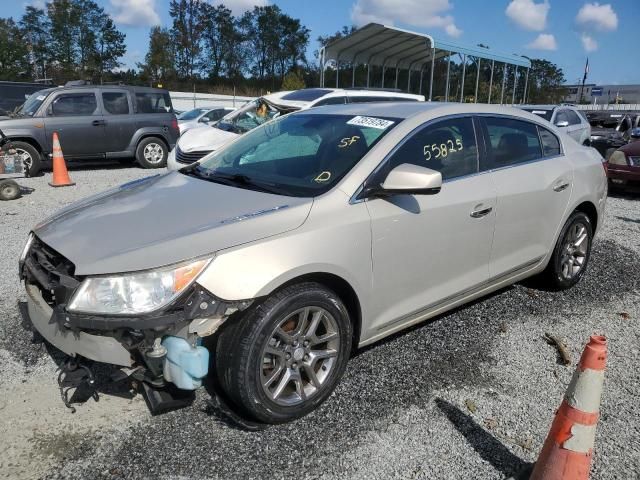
(560, 187)
(481, 212)
(98, 123)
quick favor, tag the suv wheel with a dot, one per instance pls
(571, 253)
(152, 153)
(30, 156)
(285, 357)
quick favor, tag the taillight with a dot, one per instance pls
(174, 123)
(618, 158)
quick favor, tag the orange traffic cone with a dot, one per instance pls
(566, 453)
(60, 174)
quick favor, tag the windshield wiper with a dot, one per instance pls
(234, 180)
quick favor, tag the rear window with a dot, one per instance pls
(115, 103)
(306, 95)
(546, 114)
(550, 143)
(512, 141)
(153, 102)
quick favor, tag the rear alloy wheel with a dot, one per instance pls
(285, 357)
(571, 253)
(152, 153)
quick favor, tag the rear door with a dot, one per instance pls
(77, 118)
(533, 180)
(119, 122)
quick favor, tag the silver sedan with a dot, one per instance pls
(312, 235)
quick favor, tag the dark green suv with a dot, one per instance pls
(95, 122)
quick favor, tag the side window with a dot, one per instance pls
(448, 146)
(367, 99)
(573, 117)
(153, 102)
(550, 143)
(74, 104)
(511, 141)
(561, 116)
(331, 101)
(115, 103)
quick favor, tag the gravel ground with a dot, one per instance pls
(470, 394)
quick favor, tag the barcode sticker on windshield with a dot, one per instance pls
(370, 122)
(41, 97)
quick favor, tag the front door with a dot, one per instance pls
(77, 119)
(429, 249)
(533, 181)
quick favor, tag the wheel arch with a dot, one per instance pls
(30, 140)
(343, 289)
(159, 136)
(590, 210)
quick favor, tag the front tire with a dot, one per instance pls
(571, 253)
(285, 357)
(31, 158)
(152, 152)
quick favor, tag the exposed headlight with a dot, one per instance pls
(618, 158)
(135, 293)
(26, 248)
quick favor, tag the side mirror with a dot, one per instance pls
(204, 120)
(562, 124)
(407, 179)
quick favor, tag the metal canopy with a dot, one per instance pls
(395, 48)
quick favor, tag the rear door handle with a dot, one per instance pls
(97, 123)
(560, 187)
(481, 212)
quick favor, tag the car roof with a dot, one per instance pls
(132, 88)
(405, 110)
(541, 107)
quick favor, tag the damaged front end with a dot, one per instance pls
(162, 348)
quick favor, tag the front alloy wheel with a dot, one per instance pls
(284, 357)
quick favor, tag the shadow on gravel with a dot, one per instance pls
(627, 219)
(487, 446)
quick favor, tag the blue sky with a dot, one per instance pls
(562, 31)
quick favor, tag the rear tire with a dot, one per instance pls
(570, 255)
(30, 156)
(285, 357)
(152, 152)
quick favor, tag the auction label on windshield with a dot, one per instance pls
(371, 122)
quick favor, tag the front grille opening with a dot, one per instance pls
(51, 272)
(190, 157)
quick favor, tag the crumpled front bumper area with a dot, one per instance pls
(94, 347)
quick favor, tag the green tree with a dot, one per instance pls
(545, 82)
(35, 27)
(110, 46)
(159, 61)
(187, 29)
(14, 56)
(293, 81)
(64, 23)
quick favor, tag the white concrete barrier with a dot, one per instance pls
(187, 100)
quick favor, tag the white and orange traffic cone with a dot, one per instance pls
(566, 453)
(60, 174)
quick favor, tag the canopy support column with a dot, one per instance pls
(397, 72)
(464, 70)
(421, 75)
(433, 65)
(446, 90)
(475, 95)
(368, 73)
(515, 85)
(337, 71)
(504, 81)
(493, 64)
(526, 85)
(353, 74)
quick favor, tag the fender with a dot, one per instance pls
(150, 132)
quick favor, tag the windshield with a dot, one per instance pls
(31, 105)
(191, 114)
(251, 115)
(302, 155)
(546, 114)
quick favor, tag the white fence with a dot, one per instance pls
(186, 101)
(603, 107)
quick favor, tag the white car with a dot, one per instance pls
(200, 117)
(571, 120)
(195, 144)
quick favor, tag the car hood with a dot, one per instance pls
(211, 138)
(165, 219)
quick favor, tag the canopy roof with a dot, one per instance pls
(380, 45)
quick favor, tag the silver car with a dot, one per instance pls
(312, 235)
(567, 118)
